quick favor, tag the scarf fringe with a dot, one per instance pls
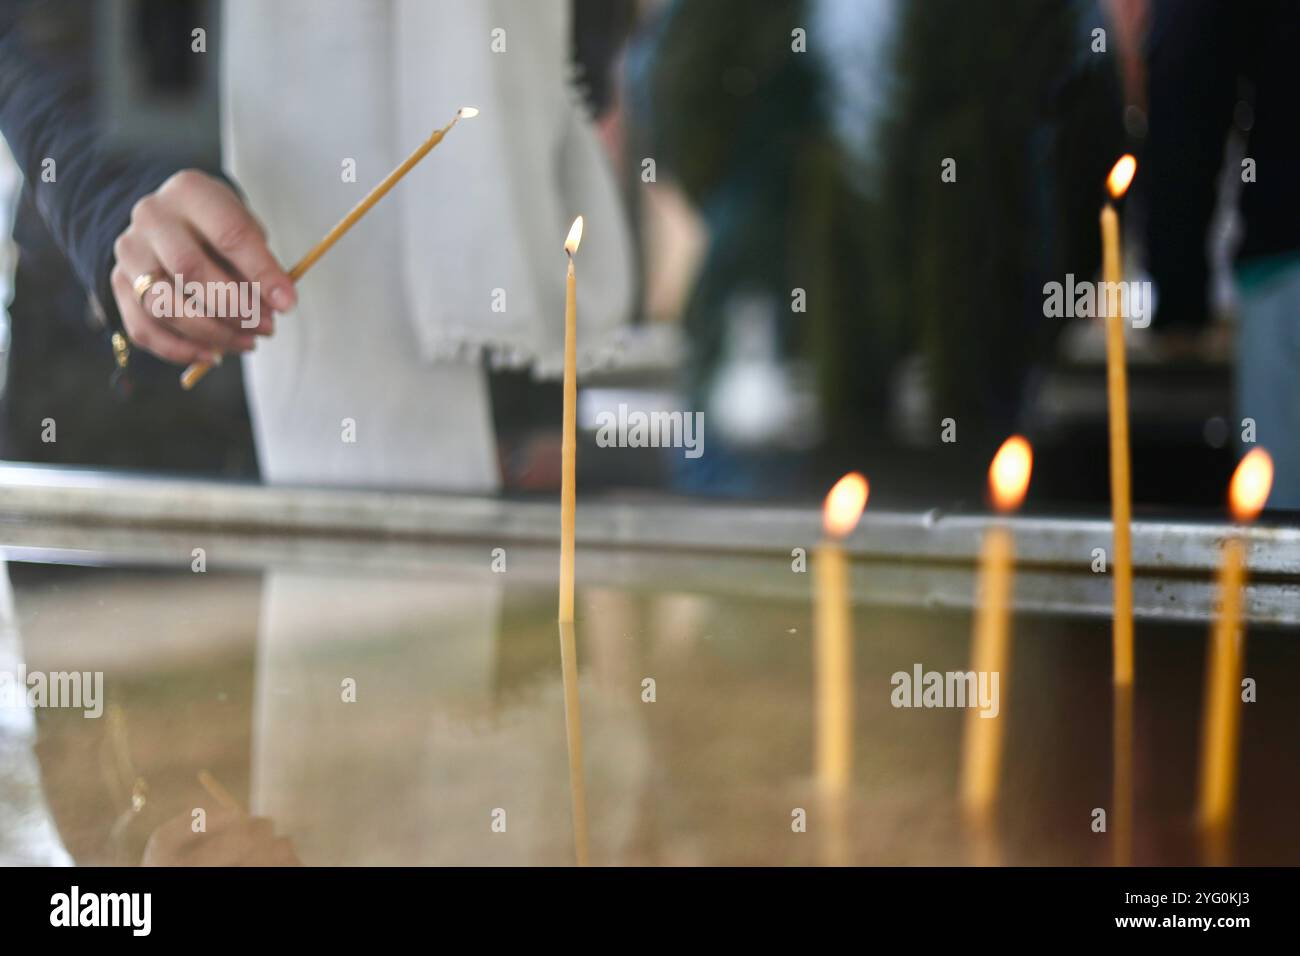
(652, 347)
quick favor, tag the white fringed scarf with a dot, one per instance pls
(311, 84)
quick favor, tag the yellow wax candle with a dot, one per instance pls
(194, 373)
(833, 667)
(1220, 732)
(1117, 401)
(569, 442)
(990, 654)
(832, 640)
(991, 637)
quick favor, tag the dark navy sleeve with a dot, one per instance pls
(83, 188)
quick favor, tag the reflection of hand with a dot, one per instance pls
(232, 839)
(195, 227)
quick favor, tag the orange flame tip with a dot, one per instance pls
(1009, 473)
(1250, 485)
(844, 505)
(1121, 175)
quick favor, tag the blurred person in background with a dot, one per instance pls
(834, 238)
(1014, 96)
(1222, 72)
(739, 106)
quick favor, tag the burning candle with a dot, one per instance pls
(1121, 511)
(991, 639)
(1220, 733)
(569, 443)
(832, 647)
(1117, 184)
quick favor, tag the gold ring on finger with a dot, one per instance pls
(143, 283)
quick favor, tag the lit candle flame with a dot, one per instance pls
(844, 505)
(1121, 175)
(575, 237)
(1250, 485)
(468, 112)
(1009, 473)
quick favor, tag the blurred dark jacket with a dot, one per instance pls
(81, 189)
(1205, 57)
(79, 184)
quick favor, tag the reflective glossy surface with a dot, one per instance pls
(416, 713)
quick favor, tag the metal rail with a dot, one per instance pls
(97, 499)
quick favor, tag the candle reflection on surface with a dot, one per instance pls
(460, 709)
(573, 740)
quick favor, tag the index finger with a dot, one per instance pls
(225, 223)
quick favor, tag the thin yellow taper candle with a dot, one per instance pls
(1221, 726)
(194, 373)
(833, 664)
(1121, 511)
(991, 638)
(569, 441)
(1117, 400)
(833, 643)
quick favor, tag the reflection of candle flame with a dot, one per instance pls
(575, 237)
(1009, 473)
(844, 505)
(1122, 779)
(1121, 175)
(1251, 483)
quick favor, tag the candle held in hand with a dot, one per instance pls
(569, 440)
(194, 373)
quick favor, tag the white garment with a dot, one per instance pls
(28, 833)
(438, 736)
(392, 322)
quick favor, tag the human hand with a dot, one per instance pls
(231, 839)
(195, 227)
